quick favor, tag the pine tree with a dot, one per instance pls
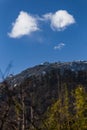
(80, 108)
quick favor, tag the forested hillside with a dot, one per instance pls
(50, 96)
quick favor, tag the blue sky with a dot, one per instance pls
(35, 31)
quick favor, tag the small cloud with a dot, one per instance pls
(59, 20)
(25, 24)
(59, 46)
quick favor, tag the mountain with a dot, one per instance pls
(46, 68)
(35, 89)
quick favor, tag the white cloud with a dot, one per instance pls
(59, 46)
(25, 24)
(59, 20)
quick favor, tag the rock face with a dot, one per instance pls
(38, 87)
(45, 81)
(46, 68)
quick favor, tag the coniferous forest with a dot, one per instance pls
(52, 100)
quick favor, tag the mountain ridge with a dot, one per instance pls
(45, 67)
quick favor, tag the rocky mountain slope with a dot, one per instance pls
(37, 88)
(46, 68)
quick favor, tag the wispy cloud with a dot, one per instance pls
(25, 24)
(59, 20)
(59, 46)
